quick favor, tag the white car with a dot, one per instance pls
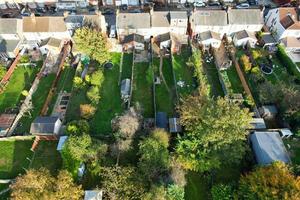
(199, 4)
(243, 6)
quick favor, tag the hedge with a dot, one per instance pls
(285, 59)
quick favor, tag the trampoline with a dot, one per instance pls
(108, 65)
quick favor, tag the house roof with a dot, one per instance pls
(6, 120)
(53, 42)
(209, 35)
(125, 86)
(209, 18)
(74, 19)
(174, 125)
(160, 19)
(43, 125)
(290, 42)
(93, 195)
(61, 142)
(133, 20)
(288, 18)
(268, 39)
(244, 34)
(161, 120)
(7, 46)
(44, 24)
(163, 37)
(178, 15)
(268, 147)
(245, 16)
(10, 26)
(133, 38)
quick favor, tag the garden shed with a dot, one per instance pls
(268, 147)
(6, 121)
(125, 88)
(174, 125)
(46, 126)
(268, 111)
(61, 143)
(93, 195)
(161, 120)
(258, 123)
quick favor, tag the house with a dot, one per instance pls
(93, 195)
(244, 19)
(6, 120)
(51, 44)
(161, 120)
(45, 126)
(174, 125)
(283, 22)
(178, 23)
(209, 20)
(133, 42)
(244, 38)
(129, 23)
(36, 29)
(209, 39)
(160, 22)
(61, 142)
(268, 147)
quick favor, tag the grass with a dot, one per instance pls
(142, 88)
(6, 195)
(38, 99)
(127, 65)
(164, 98)
(235, 81)
(65, 83)
(47, 156)
(20, 80)
(197, 187)
(294, 150)
(183, 72)
(110, 103)
(13, 156)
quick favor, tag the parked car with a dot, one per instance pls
(124, 7)
(243, 6)
(108, 11)
(199, 4)
(135, 11)
(214, 3)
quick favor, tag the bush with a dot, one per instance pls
(222, 192)
(78, 127)
(245, 61)
(25, 59)
(93, 94)
(97, 78)
(87, 111)
(78, 82)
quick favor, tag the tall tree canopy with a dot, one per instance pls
(215, 133)
(39, 184)
(270, 182)
(92, 43)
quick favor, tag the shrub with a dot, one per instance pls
(78, 82)
(87, 111)
(93, 94)
(97, 78)
(78, 127)
(222, 192)
(25, 59)
(245, 63)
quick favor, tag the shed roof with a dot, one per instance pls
(268, 147)
(174, 125)
(268, 39)
(53, 42)
(125, 87)
(209, 18)
(245, 16)
(133, 20)
(209, 35)
(93, 195)
(61, 142)
(43, 125)
(44, 24)
(133, 38)
(8, 45)
(161, 120)
(244, 34)
(258, 123)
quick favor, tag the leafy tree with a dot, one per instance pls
(215, 133)
(222, 192)
(154, 155)
(121, 183)
(87, 111)
(97, 78)
(93, 94)
(156, 192)
(270, 182)
(246, 63)
(78, 127)
(92, 43)
(39, 184)
(175, 192)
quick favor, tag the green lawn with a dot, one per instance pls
(47, 156)
(142, 88)
(65, 83)
(6, 195)
(38, 99)
(213, 78)
(235, 81)
(20, 80)
(127, 65)
(165, 99)
(183, 72)
(110, 103)
(13, 156)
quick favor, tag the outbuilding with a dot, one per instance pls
(161, 120)
(46, 126)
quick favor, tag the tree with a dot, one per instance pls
(270, 182)
(175, 192)
(156, 192)
(246, 63)
(222, 192)
(121, 183)
(97, 78)
(93, 94)
(39, 184)
(87, 111)
(215, 133)
(78, 127)
(92, 43)
(154, 155)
